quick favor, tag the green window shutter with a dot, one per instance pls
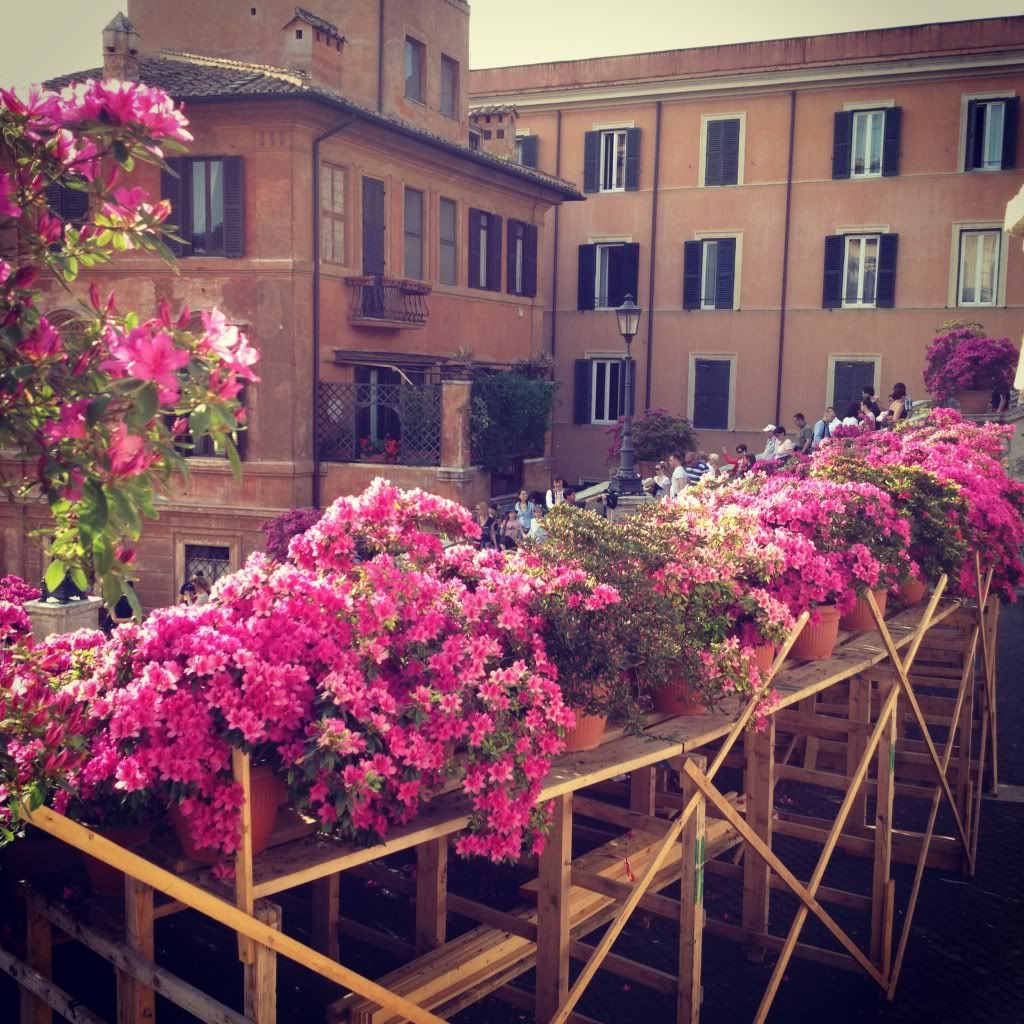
(832, 285)
(632, 159)
(1011, 115)
(474, 248)
(713, 173)
(885, 285)
(891, 142)
(692, 256)
(178, 193)
(628, 277)
(530, 256)
(494, 254)
(587, 272)
(974, 135)
(581, 391)
(842, 140)
(591, 159)
(234, 207)
(529, 150)
(726, 273)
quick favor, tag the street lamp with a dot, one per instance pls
(626, 479)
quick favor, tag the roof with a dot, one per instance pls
(119, 23)
(495, 108)
(316, 21)
(200, 79)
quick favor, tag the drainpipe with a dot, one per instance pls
(316, 303)
(380, 58)
(654, 250)
(785, 258)
(554, 241)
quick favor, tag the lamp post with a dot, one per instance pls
(626, 479)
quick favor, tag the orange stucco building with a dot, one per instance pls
(796, 217)
(345, 135)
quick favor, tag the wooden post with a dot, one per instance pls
(243, 856)
(431, 894)
(991, 633)
(760, 784)
(136, 1004)
(885, 786)
(553, 912)
(260, 974)
(964, 732)
(326, 911)
(39, 942)
(860, 711)
(806, 706)
(642, 790)
(691, 908)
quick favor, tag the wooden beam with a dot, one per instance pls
(240, 768)
(553, 939)
(599, 810)
(45, 991)
(259, 978)
(881, 925)
(660, 905)
(759, 781)
(39, 945)
(326, 897)
(431, 894)
(693, 842)
(136, 1002)
(641, 789)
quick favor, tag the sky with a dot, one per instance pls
(43, 38)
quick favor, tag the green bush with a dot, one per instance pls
(509, 417)
(656, 434)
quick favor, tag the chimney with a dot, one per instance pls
(120, 50)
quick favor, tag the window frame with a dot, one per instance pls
(607, 362)
(863, 237)
(705, 244)
(414, 46)
(452, 243)
(186, 538)
(451, 62)
(691, 398)
(484, 243)
(408, 235)
(702, 156)
(737, 277)
(330, 216)
(615, 134)
(599, 248)
(867, 112)
(849, 357)
(966, 99)
(961, 234)
(192, 163)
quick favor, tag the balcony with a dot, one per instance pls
(388, 302)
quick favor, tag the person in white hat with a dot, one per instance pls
(770, 445)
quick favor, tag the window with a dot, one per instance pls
(611, 160)
(332, 213)
(413, 227)
(414, 62)
(709, 274)
(374, 224)
(474, 141)
(978, 277)
(207, 205)
(522, 258)
(484, 250)
(711, 389)
(70, 204)
(721, 150)
(448, 236)
(608, 272)
(606, 386)
(449, 87)
(991, 143)
(860, 271)
(526, 150)
(866, 143)
(212, 560)
(849, 377)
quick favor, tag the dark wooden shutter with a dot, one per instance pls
(1011, 115)
(514, 228)
(177, 191)
(374, 259)
(474, 248)
(832, 287)
(632, 159)
(692, 259)
(885, 287)
(591, 160)
(494, 253)
(629, 275)
(725, 284)
(974, 135)
(730, 152)
(529, 148)
(713, 153)
(234, 207)
(530, 255)
(70, 204)
(848, 382)
(711, 394)
(842, 139)
(581, 391)
(587, 273)
(891, 142)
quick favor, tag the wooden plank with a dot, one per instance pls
(45, 992)
(602, 811)
(136, 1001)
(159, 979)
(81, 838)
(759, 782)
(39, 949)
(552, 982)
(693, 842)
(326, 897)
(642, 789)
(259, 977)
(881, 924)
(240, 768)
(859, 711)
(619, 891)
(431, 894)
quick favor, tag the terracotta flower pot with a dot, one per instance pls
(972, 402)
(268, 793)
(818, 639)
(764, 655)
(678, 697)
(587, 732)
(913, 591)
(104, 879)
(860, 620)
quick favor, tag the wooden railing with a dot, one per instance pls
(379, 301)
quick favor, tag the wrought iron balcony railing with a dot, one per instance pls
(393, 302)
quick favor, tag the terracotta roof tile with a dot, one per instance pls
(317, 22)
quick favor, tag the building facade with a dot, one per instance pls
(330, 204)
(796, 217)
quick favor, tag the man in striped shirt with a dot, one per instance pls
(694, 467)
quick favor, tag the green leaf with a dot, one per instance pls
(55, 575)
(236, 462)
(124, 509)
(121, 154)
(146, 404)
(79, 578)
(96, 503)
(97, 409)
(133, 600)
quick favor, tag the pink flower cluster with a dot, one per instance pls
(961, 360)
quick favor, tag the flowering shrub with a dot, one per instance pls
(96, 405)
(656, 434)
(280, 530)
(961, 360)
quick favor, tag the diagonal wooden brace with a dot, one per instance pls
(602, 949)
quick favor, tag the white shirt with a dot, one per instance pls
(663, 483)
(851, 421)
(678, 481)
(550, 500)
(785, 448)
(769, 449)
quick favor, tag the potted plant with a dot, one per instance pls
(963, 364)
(371, 449)
(656, 434)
